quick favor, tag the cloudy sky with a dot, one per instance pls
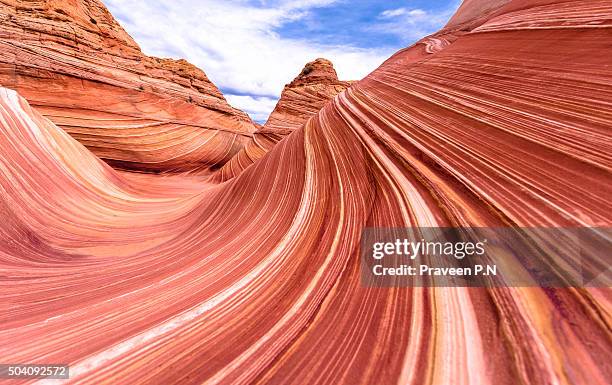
(251, 48)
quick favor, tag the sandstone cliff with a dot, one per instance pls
(306, 95)
(316, 85)
(78, 67)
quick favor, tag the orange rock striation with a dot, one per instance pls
(78, 67)
(500, 119)
(302, 98)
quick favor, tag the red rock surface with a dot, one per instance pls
(76, 65)
(172, 280)
(316, 84)
(306, 95)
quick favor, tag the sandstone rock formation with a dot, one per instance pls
(316, 84)
(78, 67)
(498, 120)
(306, 95)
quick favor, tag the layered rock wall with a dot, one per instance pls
(78, 67)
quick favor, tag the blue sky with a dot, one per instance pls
(251, 48)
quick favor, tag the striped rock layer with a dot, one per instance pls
(300, 100)
(78, 67)
(501, 120)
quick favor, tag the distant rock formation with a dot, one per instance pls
(78, 67)
(302, 98)
(306, 95)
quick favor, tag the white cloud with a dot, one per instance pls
(258, 107)
(393, 12)
(414, 13)
(237, 45)
(410, 13)
(412, 24)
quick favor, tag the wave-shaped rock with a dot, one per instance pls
(76, 65)
(316, 84)
(164, 279)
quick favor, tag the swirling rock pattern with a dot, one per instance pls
(316, 84)
(145, 279)
(76, 65)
